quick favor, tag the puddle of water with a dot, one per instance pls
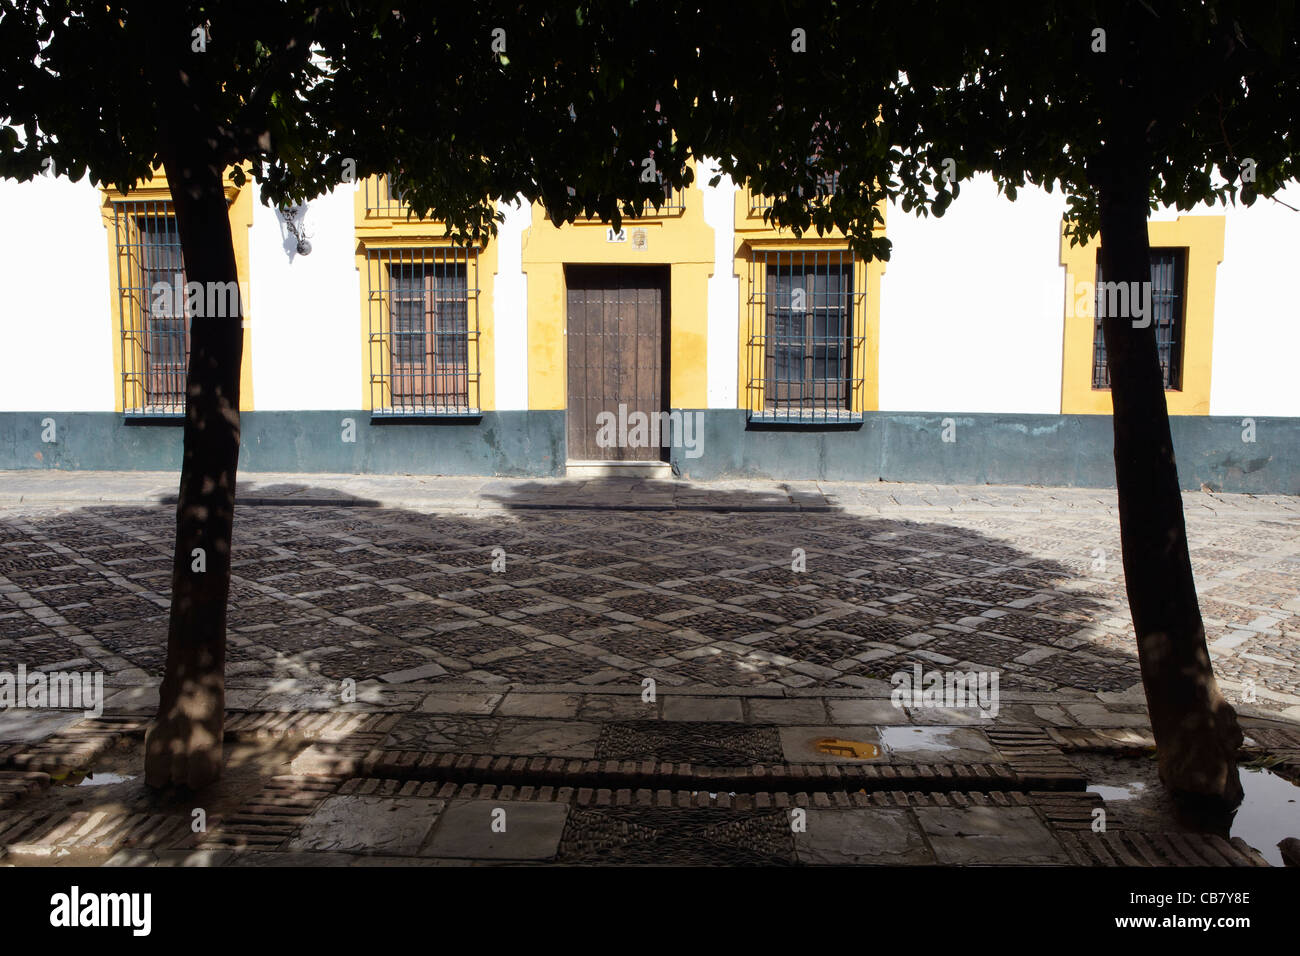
(938, 739)
(100, 779)
(1270, 812)
(79, 778)
(1127, 792)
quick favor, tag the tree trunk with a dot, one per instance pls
(1195, 729)
(184, 745)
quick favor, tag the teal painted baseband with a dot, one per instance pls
(517, 443)
(1065, 450)
(1060, 450)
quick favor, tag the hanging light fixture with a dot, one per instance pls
(294, 218)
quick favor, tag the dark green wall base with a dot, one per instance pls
(524, 444)
(1061, 450)
(1069, 450)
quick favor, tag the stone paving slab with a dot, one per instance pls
(861, 837)
(989, 836)
(550, 738)
(500, 830)
(30, 726)
(368, 824)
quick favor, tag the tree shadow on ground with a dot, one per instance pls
(743, 592)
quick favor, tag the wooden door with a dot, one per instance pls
(617, 317)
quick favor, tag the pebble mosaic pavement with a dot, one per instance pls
(689, 598)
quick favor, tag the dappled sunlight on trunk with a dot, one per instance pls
(184, 747)
(1195, 728)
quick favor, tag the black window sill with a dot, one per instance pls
(467, 417)
(152, 418)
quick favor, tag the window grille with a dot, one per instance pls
(806, 354)
(154, 323)
(1168, 282)
(423, 331)
(673, 204)
(383, 199)
(826, 186)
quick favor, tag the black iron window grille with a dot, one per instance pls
(827, 185)
(806, 354)
(423, 331)
(673, 204)
(155, 328)
(384, 199)
(1168, 307)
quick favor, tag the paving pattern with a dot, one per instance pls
(687, 598)
(656, 790)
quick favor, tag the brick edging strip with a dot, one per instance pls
(534, 771)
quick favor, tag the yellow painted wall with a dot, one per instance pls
(241, 221)
(1202, 237)
(752, 233)
(682, 240)
(376, 231)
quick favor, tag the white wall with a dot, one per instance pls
(972, 319)
(56, 331)
(971, 316)
(1257, 313)
(724, 289)
(971, 306)
(510, 308)
(304, 310)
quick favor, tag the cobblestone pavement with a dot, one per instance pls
(1025, 582)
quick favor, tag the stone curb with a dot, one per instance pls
(559, 772)
(72, 749)
(1130, 848)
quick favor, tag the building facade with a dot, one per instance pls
(697, 341)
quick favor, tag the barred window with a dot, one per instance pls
(423, 331)
(154, 324)
(1168, 285)
(384, 198)
(673, 204)
(806, 354)
(826, 186)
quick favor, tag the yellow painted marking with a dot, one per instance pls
(853, 749)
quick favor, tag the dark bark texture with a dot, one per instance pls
(184, 745)
(1196, 730)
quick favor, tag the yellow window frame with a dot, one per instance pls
(240, 201)
(1203, 239)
